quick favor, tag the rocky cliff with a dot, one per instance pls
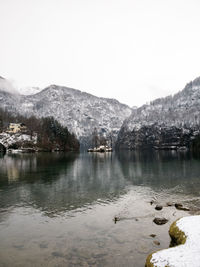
(172, 122)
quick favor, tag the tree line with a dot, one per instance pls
(51, 135)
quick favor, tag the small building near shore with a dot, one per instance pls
(16, 128)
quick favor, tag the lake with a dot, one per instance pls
(58, 209)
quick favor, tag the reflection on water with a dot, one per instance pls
(58, 208)
(59, 182)
(162, 170)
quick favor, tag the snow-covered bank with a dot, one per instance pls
(8, 139)
(186, 233)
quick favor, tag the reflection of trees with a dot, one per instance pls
(88, 179)
(160, 169)
(1, 154)
(31, 167)
(19, 174)
(55, 182)
(59, 182)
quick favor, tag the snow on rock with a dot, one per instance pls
(7, 139)
(186, 231)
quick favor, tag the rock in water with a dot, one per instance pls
(157, 243)
(153, 235)
(158, 207)
(169, 204)
(160, 221)
(180, 207)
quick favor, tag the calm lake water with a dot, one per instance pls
(58, 209)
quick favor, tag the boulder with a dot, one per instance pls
(180, 207)
(158, 207)
(160, 221)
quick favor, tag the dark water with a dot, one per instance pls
(58, 209)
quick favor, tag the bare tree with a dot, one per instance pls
(95, 138)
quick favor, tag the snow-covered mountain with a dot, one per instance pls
(29, 90)
(173, 120)
(79, 111)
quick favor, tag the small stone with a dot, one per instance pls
(160, 221)
(169, 204)
(116, 219)
(157, 243)
(151, 202)
(158, 207)
(185, 209)
(180, 207)
(152, 235)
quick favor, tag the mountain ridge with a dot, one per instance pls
(153, 124)
(79, 111)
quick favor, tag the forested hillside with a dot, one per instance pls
(173, 121)
(51, 134)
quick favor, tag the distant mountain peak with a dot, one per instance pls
(163, 115)
(193, 85)
(79, 111)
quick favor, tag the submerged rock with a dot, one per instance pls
(169, 204)
(152, 235)
(157, 243)
(180, 207)
(160, 221)
(158, 207)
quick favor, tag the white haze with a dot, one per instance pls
(132, 50)
(7, 86)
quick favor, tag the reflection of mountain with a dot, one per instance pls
(56, 183)
(161, 170)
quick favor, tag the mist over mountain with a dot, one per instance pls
(173, 120)
(79, 111)
(6, 86)
(30, 90)
(168, 121)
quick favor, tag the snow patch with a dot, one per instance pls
(183, 255)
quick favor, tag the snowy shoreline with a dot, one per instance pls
(186, 234)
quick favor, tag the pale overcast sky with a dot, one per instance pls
(131, 50)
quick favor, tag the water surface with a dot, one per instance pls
(58, 209)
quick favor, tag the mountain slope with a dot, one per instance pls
(79, 111)
(165, 122)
